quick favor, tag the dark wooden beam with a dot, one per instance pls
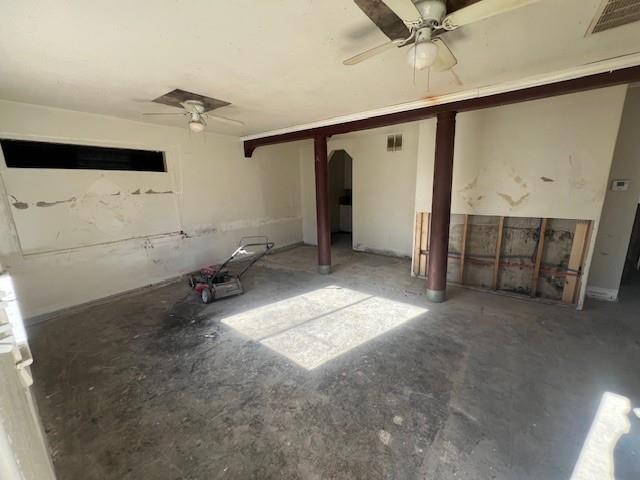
(590, 82)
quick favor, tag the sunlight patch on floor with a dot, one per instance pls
(318, 326)
(611, 422)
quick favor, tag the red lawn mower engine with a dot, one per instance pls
(215, 281)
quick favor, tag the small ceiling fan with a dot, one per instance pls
(195, 111)
(421, 24)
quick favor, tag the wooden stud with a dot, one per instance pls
(424, 243)
(463, 249)
(584, 257)
(496, 266)
(576, 259)
(539, 254)
(416, 249)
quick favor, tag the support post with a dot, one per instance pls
(322, 204)
(441, 207)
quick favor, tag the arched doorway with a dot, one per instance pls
(340, 198)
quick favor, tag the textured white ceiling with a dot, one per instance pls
(277, 61)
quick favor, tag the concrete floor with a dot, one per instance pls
(157, 385)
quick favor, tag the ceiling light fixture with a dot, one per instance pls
(422, 55)
(196, 126)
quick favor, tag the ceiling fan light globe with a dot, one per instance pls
(196, 126)
(422, 55)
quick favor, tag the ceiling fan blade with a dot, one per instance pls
(372, 52)
(384, 18)
(182, 113)
(481, 10)
(405, 9)
(445, 59)
(230, 121)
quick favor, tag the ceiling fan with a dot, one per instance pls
(421, 24)
(195, 111)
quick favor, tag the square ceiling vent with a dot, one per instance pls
(177, 96)
(614, 13)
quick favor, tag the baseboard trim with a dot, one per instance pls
(605, 294)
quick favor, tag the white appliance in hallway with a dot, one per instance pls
(23, 449)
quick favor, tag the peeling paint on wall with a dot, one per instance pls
(153, 192)
(55, 202)
(253, 223)
(19, 205)
(202, 230)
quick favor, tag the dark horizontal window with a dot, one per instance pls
(26, 154)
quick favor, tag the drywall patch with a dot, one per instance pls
(514, 203)
(472, 201)
(470, 186)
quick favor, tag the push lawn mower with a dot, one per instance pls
(215, 281)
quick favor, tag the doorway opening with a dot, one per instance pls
(340, 199)
(630, 285)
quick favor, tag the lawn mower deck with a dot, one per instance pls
(215, 281)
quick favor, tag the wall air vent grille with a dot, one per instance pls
(394, 143)
(615, 13)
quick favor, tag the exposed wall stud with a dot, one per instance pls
(496, 266)
(576, 259)
(539, 255)
(424, 243)
(416, 248)
(463, 249)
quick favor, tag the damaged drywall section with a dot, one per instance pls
(18, 204)
(44, 204)
(530, 256)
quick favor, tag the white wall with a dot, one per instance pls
(383, 186)
(546, 158)
(216, 197)
(619, 209)
(502, 155)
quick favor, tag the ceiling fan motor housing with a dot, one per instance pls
(432, 12)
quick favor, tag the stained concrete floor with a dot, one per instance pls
(156, 385)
